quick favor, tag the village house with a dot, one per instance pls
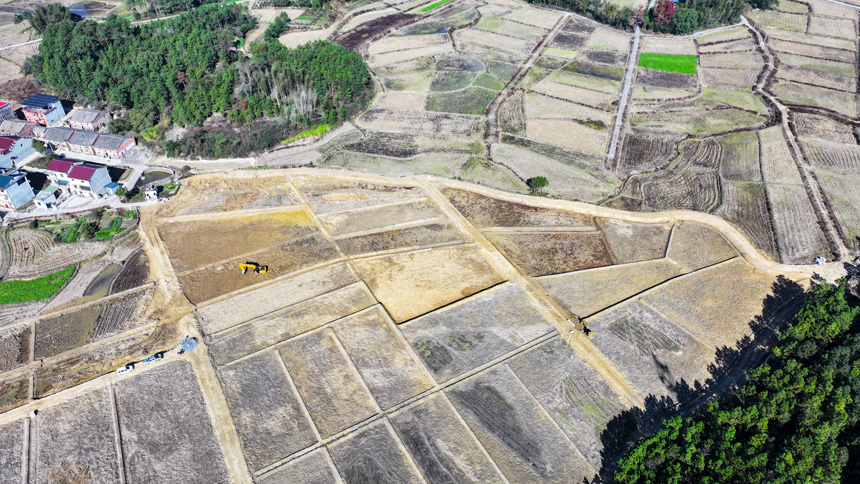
(47, 198)
(17, 127)
(13, 150)
(79, 178)
(6, 111)
(111, 145)
(44, 109)
(89, 119)
(15, 189)
(80, 141)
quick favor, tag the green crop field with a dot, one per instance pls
(434, 5)
(683, 64)
(42, 288)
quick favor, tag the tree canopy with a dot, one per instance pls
(184, 69)
(795, 420)
(43, 16)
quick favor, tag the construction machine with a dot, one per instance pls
(254, 267)
(587, 330)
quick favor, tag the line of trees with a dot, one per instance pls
(666, 16)
(795, 420)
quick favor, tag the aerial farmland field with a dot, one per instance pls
(534, 238)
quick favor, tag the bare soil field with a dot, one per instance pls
(741, 45)
(327, 382)
(744, 205)
(314, 468)
(583, 293)
(516, 47)
(441, 445)
(265, 409)
(376, 217)
(210, 282)
(569, 134)
(34, 253)
(571, 174)
(574, 395)
(798, 234)
(533, 16)
(380, 355)
(270, 329)
(156, 409)
(11, 451)
(392, 44)
(421, 236)
(272, 297)
(819, 40)
(82, 367)
(734, 60)
(219, 192)
(76, 439)
(823, 79)
(14, 347)
(540, 254)
(415, 121)
(200, 243)
(606, 39)
(14, 392)
(695, 246)
(795, 93)
(412, 283)
(475, 331)
(729, 78)
(516, 432)
(826, 53)
(842, 193)
(653, 351)
(697, 123)
(67, 331)
(485, 212)
(400, 100)
(373, 455)
(634, 242)
(699, 302)
(779, 20)
(831, 27)
(661, 79)
(777, 163)
(739, 160)
(723, 36)
(330, 197)
(578, 95)
(644, 150)
(134, 273)
(540, 106)
(812, 126)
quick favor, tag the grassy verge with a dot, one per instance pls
(42, 288)
(434, 5)
(683, 64)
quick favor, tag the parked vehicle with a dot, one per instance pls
(125, 369)
(152, 359)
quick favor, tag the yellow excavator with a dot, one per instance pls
(253, 267)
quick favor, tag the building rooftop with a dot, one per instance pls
(61, 166)
(40, 101)
(82, 172)
(84, 138)
(58, 135)
(110, 142)
(14, 126)
(6, 143)
(9, 178)
(84, 116)
(3, 104)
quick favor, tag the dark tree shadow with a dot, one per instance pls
(727, 372)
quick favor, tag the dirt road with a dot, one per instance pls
(625, 94)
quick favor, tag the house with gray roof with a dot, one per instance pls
(17, 127)
(89, 119)
(83, 141)
(113, 145)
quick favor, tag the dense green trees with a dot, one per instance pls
(710, 13)
(184, 69)
(44, 16)
(278, 26)
(795, 420)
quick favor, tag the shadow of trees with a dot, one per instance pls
(727, 374)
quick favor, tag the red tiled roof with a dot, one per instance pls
(6, 144)
(82, 172)
(61, 166)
